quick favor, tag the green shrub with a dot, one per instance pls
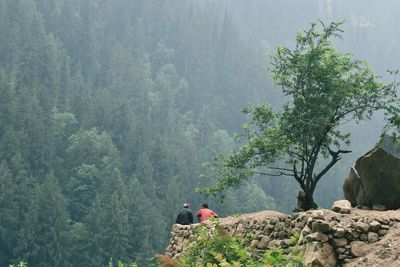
(214, 248)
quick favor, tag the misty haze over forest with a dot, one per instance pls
(110, 108)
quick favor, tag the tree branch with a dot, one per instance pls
(275, 174)
(335, 158)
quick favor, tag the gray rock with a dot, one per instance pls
(339, 233)
(269, 229)
(273, 244)
(319, 254)
(240, 230)
(354, 233)
(254, 244)
(263, 244)
(382, 220)
(375, 226)
(385, 227)
(306, 230)
(281, 235)
(320, 226)
(359, 248)
(295, 232)
(340, 242)
(317, 236)
(373, 237)
(342, 206)
(363, 237)
(382, 232)
(279, 226)
(317, 214)
(309, 222)
(175, 227)
(288, 242)
(362, 227)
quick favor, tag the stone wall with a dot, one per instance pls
(328, 238)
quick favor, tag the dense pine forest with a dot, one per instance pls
(110, 110)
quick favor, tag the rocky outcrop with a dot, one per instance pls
(327, 238)
(375, 177)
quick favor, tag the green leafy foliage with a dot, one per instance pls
(278, 257)
(215, 248)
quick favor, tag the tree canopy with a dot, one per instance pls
(325, 88)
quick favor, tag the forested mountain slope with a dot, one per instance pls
(108, 110)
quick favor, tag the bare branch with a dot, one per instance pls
(275, 174)
(281, 169)
(335, 158)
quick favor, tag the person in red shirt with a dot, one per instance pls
(205, 213)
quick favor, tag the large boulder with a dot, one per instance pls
(375, 177)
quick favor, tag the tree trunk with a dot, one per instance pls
(309, 201)
(305, 201)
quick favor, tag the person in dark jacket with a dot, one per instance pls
(185, 216)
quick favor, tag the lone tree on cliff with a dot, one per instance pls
(325, 88)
